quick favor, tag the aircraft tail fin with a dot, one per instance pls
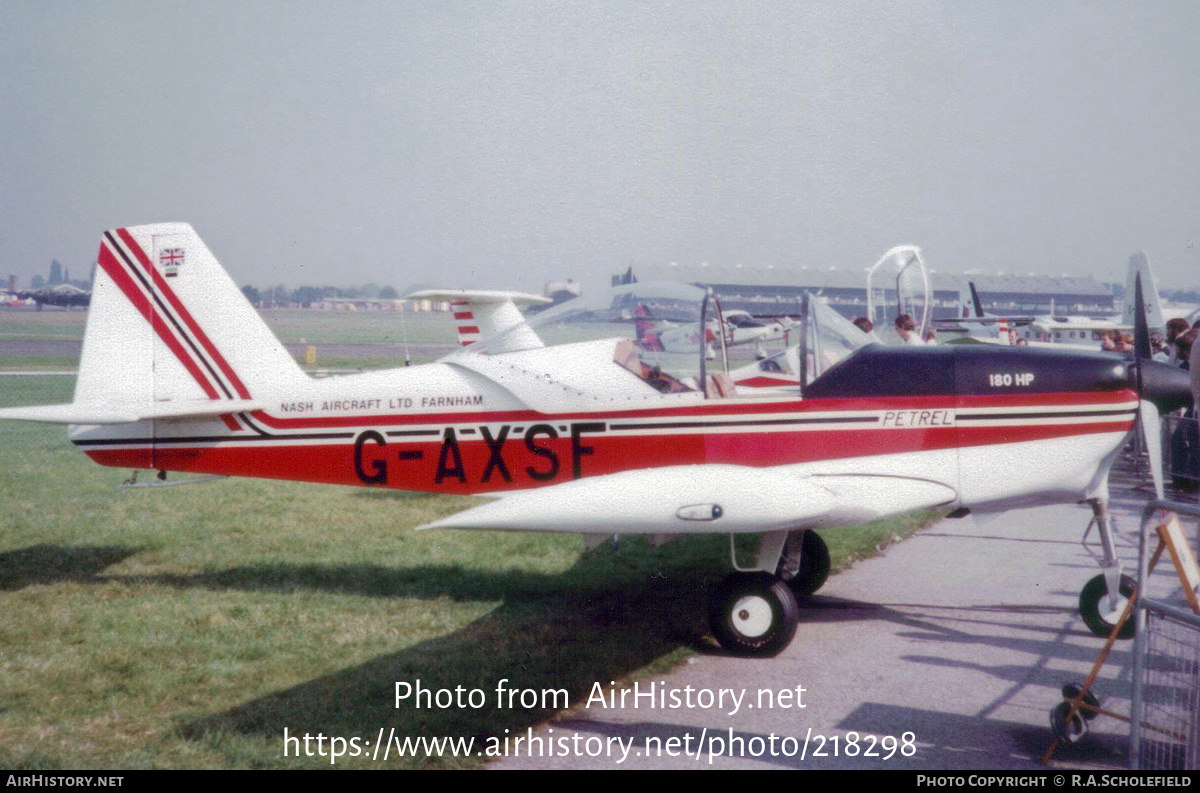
(1139, 265)
(479, 313)
(169, 335)
(970, 306)
(976, 303)
(167, 315)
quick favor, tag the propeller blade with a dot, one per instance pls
(1141, 332)
(1148, 415)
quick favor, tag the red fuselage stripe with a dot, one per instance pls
(416, 464)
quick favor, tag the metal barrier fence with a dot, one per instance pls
(1169, 690)
(1165, 715)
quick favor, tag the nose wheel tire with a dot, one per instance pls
(1096, 612)
(1071, 690)
(753, 614)
(1068, 731)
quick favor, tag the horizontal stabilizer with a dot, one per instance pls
(479, 313)
(690, 499)
(84, 413)
(481, 296)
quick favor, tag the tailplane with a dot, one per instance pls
(480, 313)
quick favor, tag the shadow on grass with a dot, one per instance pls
(597, 622)
(48, 564)
(428, 582)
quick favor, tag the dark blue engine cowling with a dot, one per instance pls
(966, 369)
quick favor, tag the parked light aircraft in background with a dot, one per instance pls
(1079, 331)
(735, 327)
(1065, 331)
(576, 428)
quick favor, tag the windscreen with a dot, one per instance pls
(830, 337)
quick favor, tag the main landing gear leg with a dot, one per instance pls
(753, 612)
(804, 564)
(1104, 597)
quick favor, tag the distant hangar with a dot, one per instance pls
(775, 290)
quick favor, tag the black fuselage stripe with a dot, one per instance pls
(253, 426)
(671, 425)
(1049, 415)
(214, 439)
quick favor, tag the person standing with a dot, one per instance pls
(1185, 440)
(866, 326)
(1175, 328)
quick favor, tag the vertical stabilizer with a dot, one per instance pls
(1140, 265)
(168, 324)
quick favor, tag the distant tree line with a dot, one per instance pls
(281, 295)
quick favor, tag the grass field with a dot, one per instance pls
(291, 326)
(52, 323)
(329, 331)
(187, 627)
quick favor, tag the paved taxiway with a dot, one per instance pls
(962, 635)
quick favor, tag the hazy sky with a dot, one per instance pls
(499, 145)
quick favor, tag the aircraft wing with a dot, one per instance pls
(1016, 321)
(698, 499)
(101, 413)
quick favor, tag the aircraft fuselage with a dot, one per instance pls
(1001, 425)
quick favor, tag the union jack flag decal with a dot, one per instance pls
(171, 259)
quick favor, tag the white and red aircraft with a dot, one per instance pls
(598, 436)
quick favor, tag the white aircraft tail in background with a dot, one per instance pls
(479, 313)
(1139, 264)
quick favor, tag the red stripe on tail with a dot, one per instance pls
(141, 302)
(161, 285)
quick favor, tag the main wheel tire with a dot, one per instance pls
(753, 614)
(814, 566)
(1072, 731)
(1094, 608)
